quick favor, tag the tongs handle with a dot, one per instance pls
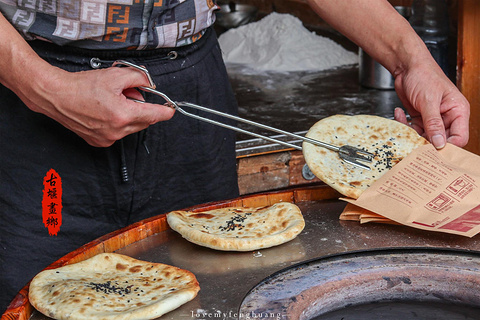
(262, 126)
(177, 106)
(347, 153)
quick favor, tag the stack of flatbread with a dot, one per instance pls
(389, 140)
(238, 228)
(111, 286)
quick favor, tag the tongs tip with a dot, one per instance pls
(353, 155)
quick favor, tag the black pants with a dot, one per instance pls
(171, 165)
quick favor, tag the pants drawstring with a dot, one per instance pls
(123, 163)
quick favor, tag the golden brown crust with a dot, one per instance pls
(239, 229)
(111, 286)
(389, 140)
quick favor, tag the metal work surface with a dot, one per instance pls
(294, 101)
(227, 277)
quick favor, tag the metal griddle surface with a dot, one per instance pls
(226, 277)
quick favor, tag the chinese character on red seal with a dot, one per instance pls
(52, 202)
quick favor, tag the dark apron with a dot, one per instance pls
(171, 165)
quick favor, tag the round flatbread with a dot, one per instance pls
(111, 286)
(239, 229)
(389, 140)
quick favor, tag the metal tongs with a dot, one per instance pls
(347, 153)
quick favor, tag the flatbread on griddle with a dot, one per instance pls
(239, 229)
(389, 140)
(112, 287)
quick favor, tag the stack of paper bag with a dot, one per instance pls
(429, 189)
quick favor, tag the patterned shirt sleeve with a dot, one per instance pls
(111, 24)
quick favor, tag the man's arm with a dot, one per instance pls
(93, 104)
(438, 110)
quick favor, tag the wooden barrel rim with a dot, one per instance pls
(21, 309)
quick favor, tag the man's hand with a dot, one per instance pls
(94, 104)
(437, 109)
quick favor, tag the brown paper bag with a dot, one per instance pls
(429, 189)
